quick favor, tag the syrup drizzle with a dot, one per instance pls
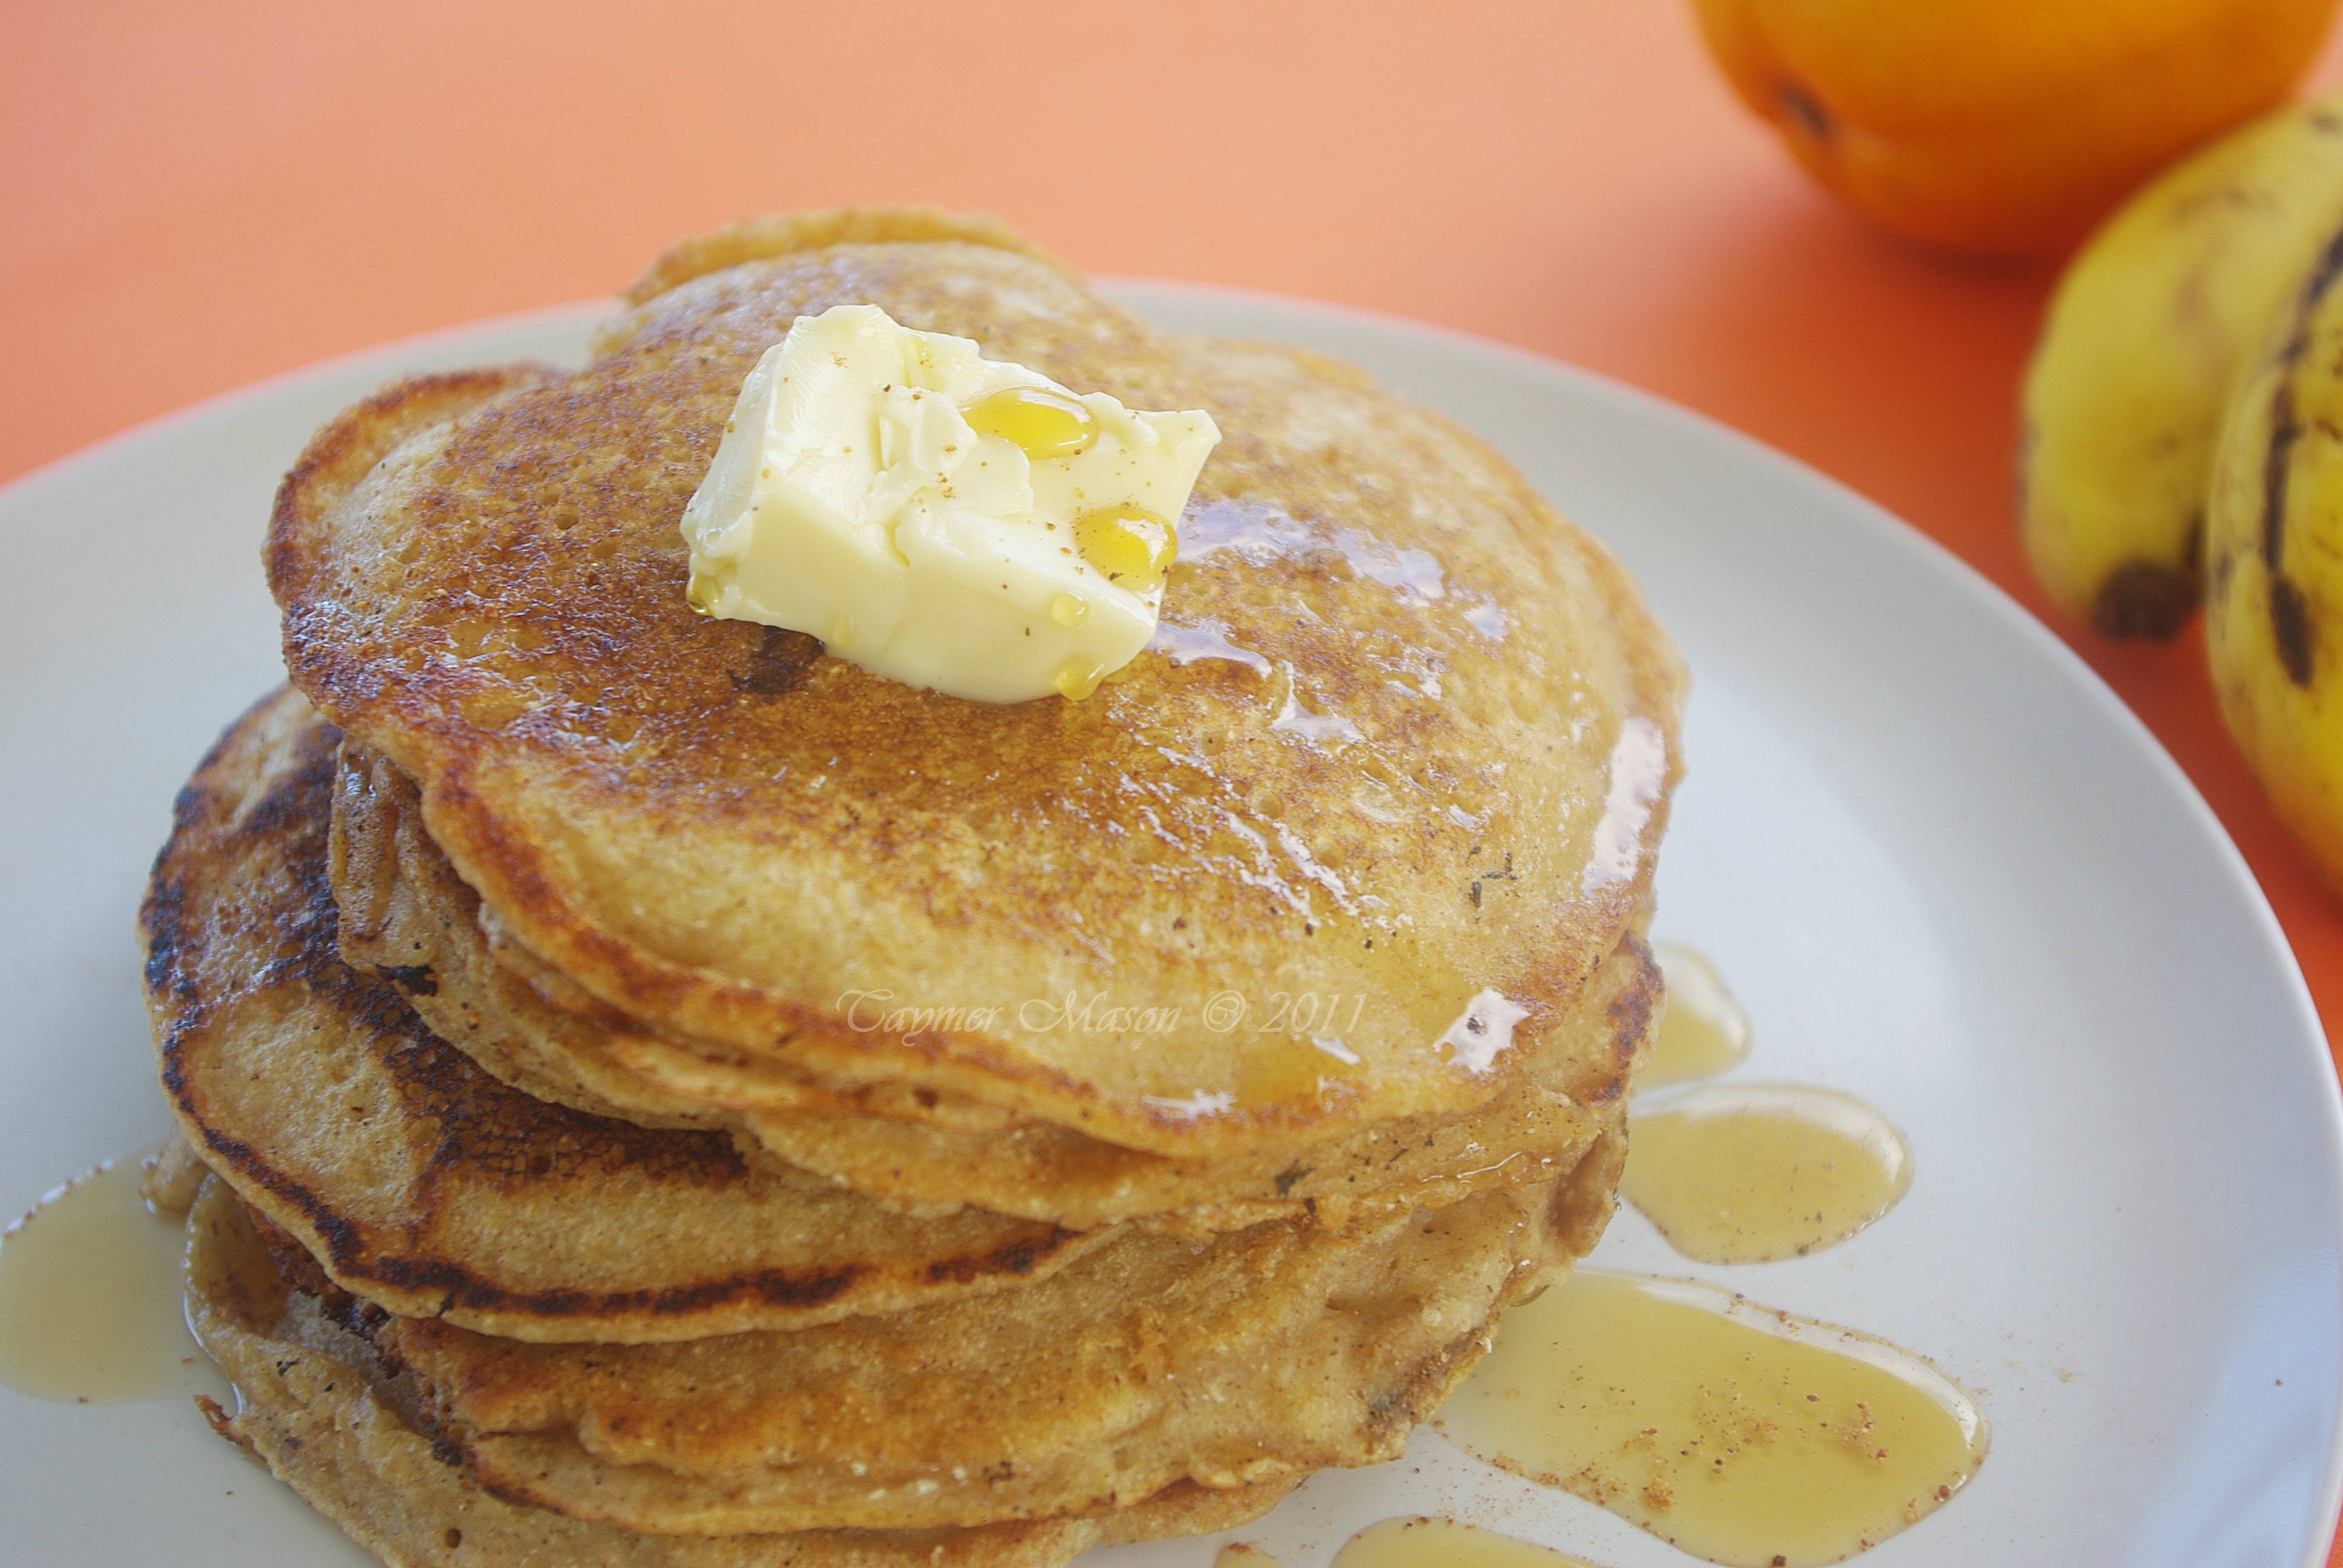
(90, 1297)
(1444, 1544)
(1741, 1435)
(1205, 640)
(1754, 1173)
(1258, 535)
(1703, 1030)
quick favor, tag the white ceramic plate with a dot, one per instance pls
(1942, 864)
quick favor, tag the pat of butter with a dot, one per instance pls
(938, 517)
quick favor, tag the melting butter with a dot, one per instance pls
(1703, 1030)
(1482, 1032)
(90, 1297)
(1241, 1555)
(938, 517)
(1752, 1174)
(1443, 1543)
(1639, 772)
(1741, 1435)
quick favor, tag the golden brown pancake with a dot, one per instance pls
(1430, 761)
(406, 915)
(1535, 1129)
(1229, 1361)
(321, 1407)
(424, 1185)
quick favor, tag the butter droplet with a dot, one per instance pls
(1077, 677)
(1128, 545)
(1067, 610)
(1038, 422)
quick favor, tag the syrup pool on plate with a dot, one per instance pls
(1444, 1544)
(1703, 1030)
(90, 1296)
(1754, 1173)
(1741, 1435)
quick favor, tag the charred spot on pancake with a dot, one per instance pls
(1634, 1010)
(414, 980)
(1017, 1258)
(161, 916)
(292, 801)
(299, 1269)
(778, 663)
(482, 1124)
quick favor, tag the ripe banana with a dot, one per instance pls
(2274, 553)
(2145, 338)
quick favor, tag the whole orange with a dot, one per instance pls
(2004, 127)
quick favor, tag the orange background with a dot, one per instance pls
(193, 201)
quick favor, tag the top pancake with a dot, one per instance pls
(1428, 758)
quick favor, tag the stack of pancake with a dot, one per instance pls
(675, 1096)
